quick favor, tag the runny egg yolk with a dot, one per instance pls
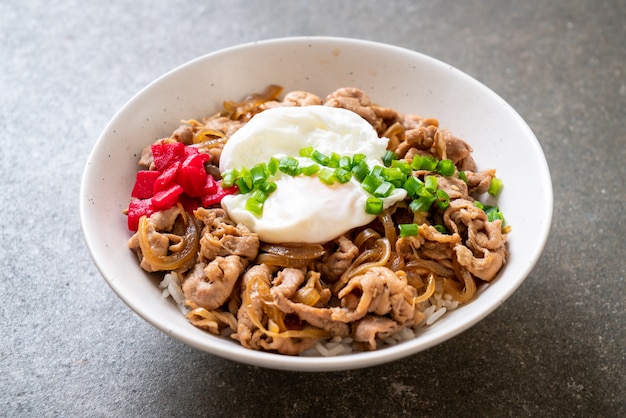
(303, 209)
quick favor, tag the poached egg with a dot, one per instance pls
(303, 209)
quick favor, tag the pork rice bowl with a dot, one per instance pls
(304, 225)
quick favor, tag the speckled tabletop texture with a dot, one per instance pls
(70, 347)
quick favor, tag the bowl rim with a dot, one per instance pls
(303, 363)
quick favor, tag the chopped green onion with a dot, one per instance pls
(254, 206)
(242, 185)
(370, 183)
(402, 165)
(412, 185)
(268, 187)
(446, 168)
(408, 230)
(389, 157)
(428, 163)
(495, 186)
(495, 215)
(441, 229)
(259, 195)
(377, 171)
(384, 189)
(422, 204)
(272, 166)
(424, 193)
(443, 199)
(309, 170)
(393, 174)
(319, 158)
(342, 175)
(493, 212)
(358, 158)
(345, 162)
(258, 174)
(305, 152)
(229, 177)
(416, 163)
(334, 159)
(326, 176)
(360, 170)
(373, 205)
(380, 181)
(245, 176)
(288, 165)
(430, 182)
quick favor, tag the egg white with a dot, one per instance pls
(303, 209)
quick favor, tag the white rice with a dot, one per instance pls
(433, 310)
(436, 315)
(334, 347)
(171, 287)
(402, 335)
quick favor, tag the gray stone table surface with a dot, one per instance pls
(70, 347)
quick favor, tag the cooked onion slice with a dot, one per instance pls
(466, 293)
(429, 266)
(430, 290)
(389, 226)
(236, 110)
(365, 236)
(307, 295)
(186, 254)
(382, 251)
(207, 135)
(212, 321)
(274, 315)
(280, 261)
(295, 251)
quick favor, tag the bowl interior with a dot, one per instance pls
(394, 77)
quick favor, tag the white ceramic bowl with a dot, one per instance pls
(394, 77)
